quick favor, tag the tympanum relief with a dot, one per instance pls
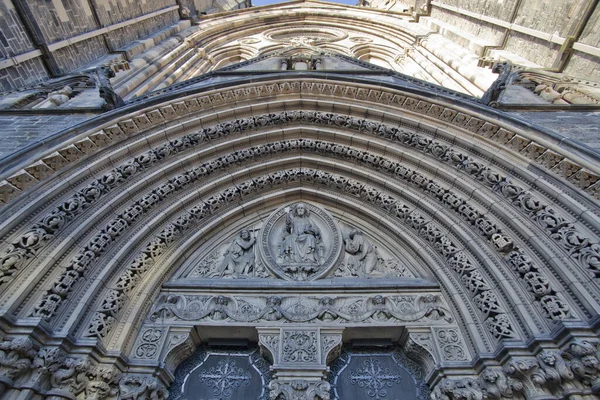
(299, 242)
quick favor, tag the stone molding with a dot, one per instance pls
(580, 248)
(497, 320)
(548, 156)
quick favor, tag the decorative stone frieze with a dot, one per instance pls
(377, 309)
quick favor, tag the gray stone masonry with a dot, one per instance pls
(18, 131)
(583, 127)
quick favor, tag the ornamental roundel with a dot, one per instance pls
(301, 242)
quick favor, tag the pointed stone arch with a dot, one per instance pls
(470, 190)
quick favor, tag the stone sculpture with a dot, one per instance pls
(302, 244)
(362, 256)
(239, 257)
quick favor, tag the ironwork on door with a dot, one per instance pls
(221, 373)
(376, 374)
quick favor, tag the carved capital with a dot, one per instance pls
(458, 389)
(16, 356)
(583, 359)
(299, 389)
(134, 387)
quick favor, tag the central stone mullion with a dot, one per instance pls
(300, 355)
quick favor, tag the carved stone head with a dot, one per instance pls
(245, 234)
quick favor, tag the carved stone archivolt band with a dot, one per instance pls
(497, 320)
(301, 241)
(27, 246)
(45, 229)
(550, 158)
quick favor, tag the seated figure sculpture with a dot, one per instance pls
(302, 244)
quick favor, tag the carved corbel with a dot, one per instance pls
(530, 374)
(419, 345)
(179, 345)
(46, 362)
(103, 382)
(496, 385)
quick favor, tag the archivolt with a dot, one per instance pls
(428, 184)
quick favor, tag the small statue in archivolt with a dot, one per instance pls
(302, 244)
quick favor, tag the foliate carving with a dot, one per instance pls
(300, 242)
(554, 371)
(420, 345)
(299, 389)
(539, 285)
(14, 256)
(331, 344)
(314, 309)
(553, 306)
(549, 374)
(103, 382)
(48, 360)
(271, 343)
(457, 389)
(133, 387)
(584, 361)
(149, 343)
(497, 322)
(71, 375)
(300, 346)
(450, 345)
(497, 385)
(78, 375)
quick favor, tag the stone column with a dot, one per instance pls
(300, 355)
